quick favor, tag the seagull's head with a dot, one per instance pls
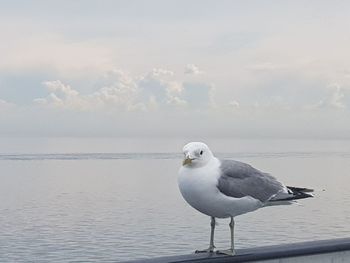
(196, 154)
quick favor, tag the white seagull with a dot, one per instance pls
(228, 188)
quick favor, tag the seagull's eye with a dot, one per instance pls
(201, 152)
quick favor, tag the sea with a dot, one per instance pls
(117, 199)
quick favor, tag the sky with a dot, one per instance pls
(175, 68)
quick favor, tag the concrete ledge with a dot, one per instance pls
(333, 250)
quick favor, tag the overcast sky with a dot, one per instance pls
(175, 68)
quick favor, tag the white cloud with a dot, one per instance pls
(234, 104)
(176, 101)
(192, 69)
(334, 100)
(337, 99)
(119, 93)
(155, 90)
(161, 72)
(62, 96)
(174, 93)
(4, 105)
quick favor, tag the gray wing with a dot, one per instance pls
(239, 179)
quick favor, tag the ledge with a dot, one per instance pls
(294, 250)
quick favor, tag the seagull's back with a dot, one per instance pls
(238, 179)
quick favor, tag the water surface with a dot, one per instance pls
(61, 202)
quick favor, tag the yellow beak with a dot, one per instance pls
(187, 161)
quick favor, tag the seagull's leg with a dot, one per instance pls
(212, 226)
(230, 251)
(232, 229)
(211, 247)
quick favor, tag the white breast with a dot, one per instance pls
(198, 186)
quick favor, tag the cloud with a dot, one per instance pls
(119, 91)
(153, 86)
(161, 72)
(337, 99)
(144, 112)
(192, 69)
(234, 104)
(157, 89)
(334, 100)
(174, 94)
(5, 106)
(162, 90)
(61, 96)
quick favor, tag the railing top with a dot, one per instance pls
(260, 253)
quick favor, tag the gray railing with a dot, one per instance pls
(337, 250)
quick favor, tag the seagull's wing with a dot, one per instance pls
(239, 179)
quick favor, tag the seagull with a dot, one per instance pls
(228, 188)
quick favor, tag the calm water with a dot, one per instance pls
(107, 200)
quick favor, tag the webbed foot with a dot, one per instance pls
(229, 252)
(208, 250)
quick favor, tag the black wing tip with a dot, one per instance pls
(296, 193)
(300, 192)
(300, 189)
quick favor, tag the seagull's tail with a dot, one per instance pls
(292, 194)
